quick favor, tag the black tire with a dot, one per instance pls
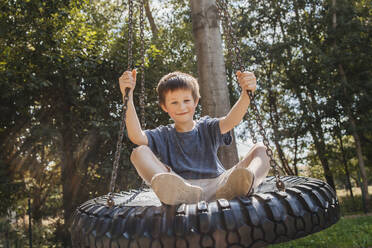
(265, 217)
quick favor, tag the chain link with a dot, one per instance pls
(227, 24)
(114, 174)
(235, 53)
(228, 30)
(130, 35)
(228, 41)
(110, 201)
(142, 67)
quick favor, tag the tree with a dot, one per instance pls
(211, 68)
(349, 97)
(53, 62)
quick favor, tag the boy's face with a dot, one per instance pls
(180, 105)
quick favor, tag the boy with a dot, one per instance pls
(180, 160)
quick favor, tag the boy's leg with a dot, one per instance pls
(234, 182)
(167, 185)
(257, 162)
(146, 163)
(244, 176)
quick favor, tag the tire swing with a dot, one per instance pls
(279, 210)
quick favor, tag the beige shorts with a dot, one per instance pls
(209, 185)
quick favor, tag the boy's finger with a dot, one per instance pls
(126, 72)
(134, 75)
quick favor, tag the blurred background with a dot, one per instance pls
(60, 101)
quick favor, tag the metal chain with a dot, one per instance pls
(142, 67)
(142, 95)
(227, 35)
(237, 60)
(130, 34)
(250, 128)
(223, 9)
(110, 201)
(269, 152)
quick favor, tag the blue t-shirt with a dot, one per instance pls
(193, 154)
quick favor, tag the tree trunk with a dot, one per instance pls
(344, 160)
(153, 26)
(295, 157)
(348, 182)
(274, 118)
(211, 68)
(70, 178)
(67, 186)
(358, 147)
(320, 143)
(317, 134)
(321, 150)
(362, 169)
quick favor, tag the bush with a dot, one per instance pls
(352, 205)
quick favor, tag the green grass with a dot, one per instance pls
(346, 233)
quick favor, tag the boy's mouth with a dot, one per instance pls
(183, 113)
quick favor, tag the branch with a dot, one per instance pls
(153, 26)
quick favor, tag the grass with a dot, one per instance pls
(346, 233)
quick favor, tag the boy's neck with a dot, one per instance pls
(184, 127)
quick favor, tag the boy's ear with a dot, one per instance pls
(163, 108)
(197, 101)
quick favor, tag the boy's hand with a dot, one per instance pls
(247, 81)
(128, 80)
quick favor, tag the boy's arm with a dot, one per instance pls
(135, 133)
(247, 81)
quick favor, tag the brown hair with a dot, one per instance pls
(177, 80)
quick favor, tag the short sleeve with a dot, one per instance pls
(215, 132)
(155, 140)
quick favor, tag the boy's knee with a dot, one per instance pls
(138, 151)
(259, 148)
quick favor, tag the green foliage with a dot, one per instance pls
(17, 234)
(297, 50)
(60, 102)
(351, 205)
(10, 190)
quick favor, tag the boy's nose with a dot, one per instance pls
(182, 106)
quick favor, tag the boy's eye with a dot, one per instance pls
(173, 102)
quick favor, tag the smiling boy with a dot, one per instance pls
(180, 160)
